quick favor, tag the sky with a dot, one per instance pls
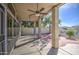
(69, 14)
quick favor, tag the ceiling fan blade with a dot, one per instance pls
(30, 10)
(41, 9)
(31, 15)
(44, 13)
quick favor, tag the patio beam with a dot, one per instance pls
(55, 29)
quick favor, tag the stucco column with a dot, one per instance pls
(55, 29)
(39, 28)
(34, 29)
(12, 28)
(5, 32)
(20, 29)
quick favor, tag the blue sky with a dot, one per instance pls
(69, 14)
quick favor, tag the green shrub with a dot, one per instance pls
(70, 32)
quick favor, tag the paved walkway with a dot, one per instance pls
(32, 48)
(69, 46)
(63, 41)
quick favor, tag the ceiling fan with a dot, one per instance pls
(37, 12)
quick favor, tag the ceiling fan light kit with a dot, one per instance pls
(37, 12)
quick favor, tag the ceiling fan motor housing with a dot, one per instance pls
(37, 12)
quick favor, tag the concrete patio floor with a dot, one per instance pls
(33, 48)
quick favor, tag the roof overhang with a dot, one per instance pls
(23, 14)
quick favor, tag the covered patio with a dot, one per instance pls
(36, 40)
(25, 13)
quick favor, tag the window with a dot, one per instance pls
(9, 25)
(2, 35)
(12, 32)
(12, 28)
(9, 32)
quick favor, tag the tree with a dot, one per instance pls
(28, 24)
(46, 21)
(59, 21)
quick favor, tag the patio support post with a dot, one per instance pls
(5, 31)
(34, 29)
(54, 27)
(12, 27)
(20, 29)
(49, 28)
(39, 28)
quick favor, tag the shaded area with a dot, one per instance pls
(25, 43)
(53, 51)
(27, 39)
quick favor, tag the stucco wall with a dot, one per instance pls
(25, 31)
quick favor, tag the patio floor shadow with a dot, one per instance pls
(25, 43)
(53, 51)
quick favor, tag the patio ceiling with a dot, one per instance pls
(22, 12)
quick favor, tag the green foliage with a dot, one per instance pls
(27, 24)
(70, 32)
(59, 21)
(37, 24)
(9, 23)
(46, 21)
